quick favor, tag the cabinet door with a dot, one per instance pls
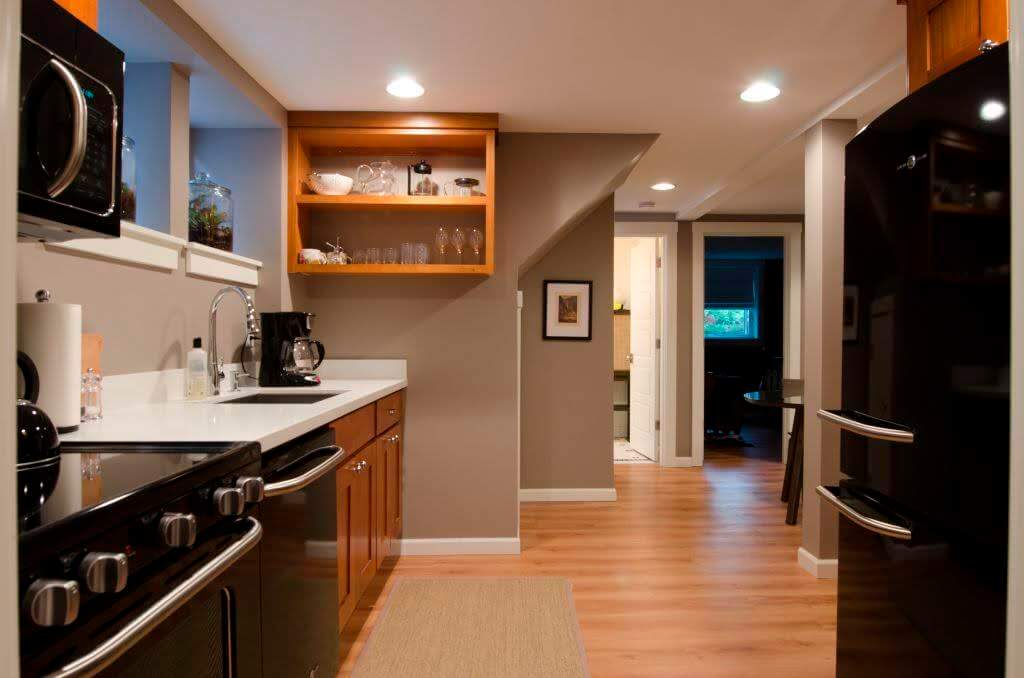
(348, 594)
(393, 498)
(365, 486)
(942, 34)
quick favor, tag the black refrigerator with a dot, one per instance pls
(926, 402)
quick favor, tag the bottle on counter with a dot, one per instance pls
(195, 371)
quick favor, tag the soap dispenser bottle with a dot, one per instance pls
(195, 371)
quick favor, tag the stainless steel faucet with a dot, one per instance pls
(252, 327)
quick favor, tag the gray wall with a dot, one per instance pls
(567, 396)
(684, 339)
(147, 120)
(459, 334)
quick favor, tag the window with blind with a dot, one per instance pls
(731, 295)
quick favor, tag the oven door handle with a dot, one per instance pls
(868, 523)
(296, 483)
(869, 427)
(79, 131)
(110, 650)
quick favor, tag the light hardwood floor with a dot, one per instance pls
(692, 572)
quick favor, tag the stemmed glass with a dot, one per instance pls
(459, 240)
(476, 241)
(441, 240)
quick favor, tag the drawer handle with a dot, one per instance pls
(392, 412)
(358, 468)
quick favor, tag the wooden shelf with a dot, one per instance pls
(393, 269)
(402, 202)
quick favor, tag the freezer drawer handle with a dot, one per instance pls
(106, 653)
(309, 477)
(869, 430)
(876, 526)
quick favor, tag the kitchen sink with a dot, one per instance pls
(280, 398)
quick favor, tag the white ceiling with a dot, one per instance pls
(670, 66)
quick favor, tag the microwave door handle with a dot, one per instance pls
(867, 429)
(79, 132)
(110, 650)
(296, 483)
(868, 523)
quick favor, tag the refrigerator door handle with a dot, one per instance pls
(867, 426)
(868, 523)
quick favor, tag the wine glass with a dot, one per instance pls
(441, 240)
(459, 240)
(476, 241)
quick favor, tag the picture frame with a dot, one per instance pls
(568, 310)
(851, 312)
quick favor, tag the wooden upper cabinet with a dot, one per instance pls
(86, 11)
(942, 34)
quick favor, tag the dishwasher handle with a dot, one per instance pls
(869, 523)
(110, 650)
(296, 483)
(868, 426)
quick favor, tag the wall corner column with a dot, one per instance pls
(822, 333)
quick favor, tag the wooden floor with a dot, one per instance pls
(692, 572)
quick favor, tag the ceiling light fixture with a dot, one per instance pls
(761, 90)
(663, 186)
(405, 88)
(992, 110)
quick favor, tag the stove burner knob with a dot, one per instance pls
(104, 572)
(251, 487)
(178, 529)
(228, 501)
(52, 602)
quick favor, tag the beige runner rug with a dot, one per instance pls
(435, 628)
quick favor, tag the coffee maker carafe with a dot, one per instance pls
(289, 356)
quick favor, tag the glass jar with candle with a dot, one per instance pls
(128, 194)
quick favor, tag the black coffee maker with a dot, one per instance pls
(289, 356)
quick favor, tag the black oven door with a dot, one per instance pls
(198, 617)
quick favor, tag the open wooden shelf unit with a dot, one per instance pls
(321, 139)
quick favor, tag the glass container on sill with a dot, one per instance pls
(210, 213)
(128, 194)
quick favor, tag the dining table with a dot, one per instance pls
(789, 396)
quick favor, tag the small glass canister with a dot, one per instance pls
(210, 213)
(128, 194)
(92, 396)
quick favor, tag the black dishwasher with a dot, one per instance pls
(299, 557)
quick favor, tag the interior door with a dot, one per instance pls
(643, 387)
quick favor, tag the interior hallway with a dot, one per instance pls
(690, 573)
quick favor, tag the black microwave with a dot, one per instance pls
(69, 145)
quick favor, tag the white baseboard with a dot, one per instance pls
(496, 546)
(822, 568)
(677, 462)
(568, 494)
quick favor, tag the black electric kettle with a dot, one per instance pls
(38, 446)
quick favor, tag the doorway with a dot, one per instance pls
(644, 346)
(747, 281)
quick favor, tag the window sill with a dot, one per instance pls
(208, 262)
(137, 245)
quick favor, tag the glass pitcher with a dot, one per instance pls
(376, 178)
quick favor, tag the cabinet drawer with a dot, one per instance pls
(355, 429)
(390, 410)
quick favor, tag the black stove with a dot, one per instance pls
(127, 526)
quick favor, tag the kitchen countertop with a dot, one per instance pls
(208, 420)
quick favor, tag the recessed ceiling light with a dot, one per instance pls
(992, 110)
(663, 186)
(405, 88)
(760, 91)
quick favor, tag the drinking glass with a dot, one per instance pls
(476, 241)
(373, 255)
(459, 241)
(441, 240)
(359, 257)
(390, 255)
(408, 255)
(422, 253)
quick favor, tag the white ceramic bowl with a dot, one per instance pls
(329, 183)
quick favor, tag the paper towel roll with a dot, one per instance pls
(51, 335)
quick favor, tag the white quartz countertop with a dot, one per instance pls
(209, 420)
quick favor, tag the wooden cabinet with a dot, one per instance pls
(369, 503)
(942, 34)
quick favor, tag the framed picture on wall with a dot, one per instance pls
(851, 312)
(567, 310)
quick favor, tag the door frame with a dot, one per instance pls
(792, 306)
(668, 232)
